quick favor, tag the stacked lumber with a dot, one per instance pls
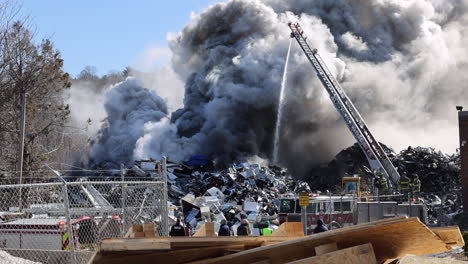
(367, 243)
(177, 249)
(144, 230)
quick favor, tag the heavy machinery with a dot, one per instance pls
(378, 160)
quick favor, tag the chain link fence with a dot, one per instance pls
(64, 221)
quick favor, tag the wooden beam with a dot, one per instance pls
(172, 256)
(390, 238)
(115, 245)
(292, 229)
(451, 235)
(130, 244)
(362, 254)
(326, 248)
(206, 230)
(427, 260)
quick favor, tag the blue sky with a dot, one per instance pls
(110, 34)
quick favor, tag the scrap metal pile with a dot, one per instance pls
(438, 172)
(243, 189)
(206, 194)
(439, 175)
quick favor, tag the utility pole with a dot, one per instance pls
(21, 145)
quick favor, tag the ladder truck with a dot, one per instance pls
(378, 160)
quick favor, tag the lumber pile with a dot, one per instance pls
(144, 230)
(367, 243)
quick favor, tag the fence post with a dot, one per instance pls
(71, 236)
(165, 211)
(124, 199)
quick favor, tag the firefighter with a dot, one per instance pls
(416, 186)
(404, 184)
(267, 231)
(381, 183)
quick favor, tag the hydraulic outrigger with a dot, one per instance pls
(378, 160)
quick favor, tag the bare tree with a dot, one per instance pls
(35, 70)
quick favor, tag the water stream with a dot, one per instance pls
(279, 117)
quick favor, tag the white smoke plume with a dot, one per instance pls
(86, 103)
(402, 62)
(128, 106)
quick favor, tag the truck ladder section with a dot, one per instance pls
(378, 160)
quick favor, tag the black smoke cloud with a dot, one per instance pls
(401, 62)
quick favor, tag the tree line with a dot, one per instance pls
(32, 73)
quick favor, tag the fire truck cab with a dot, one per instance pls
(331, 209)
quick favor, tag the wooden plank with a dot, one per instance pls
(189, 242)
(129, 232)
(289, 229)
(149, 233)
(391, 238)
(200, 242)
(137, 228)
(451, 235)
(267, 243)
(148, 227)
(428, 260)
(137, 234)
(206, 230)
(173, 256)
(261, 262)
(136, 244)
(362, 254)
(325, 248)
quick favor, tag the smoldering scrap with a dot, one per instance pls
(242, 190)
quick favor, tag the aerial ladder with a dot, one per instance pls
(378, 160)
